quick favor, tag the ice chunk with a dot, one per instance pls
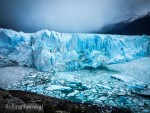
(123, 78)
(102, 98)
(103, 86)
(73, 93)
(57, 87)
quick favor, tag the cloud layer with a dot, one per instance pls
(67, 15)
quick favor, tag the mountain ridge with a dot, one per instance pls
(133, 26)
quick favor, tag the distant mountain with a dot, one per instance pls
(132, 26)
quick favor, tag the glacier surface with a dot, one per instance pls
(48, 50)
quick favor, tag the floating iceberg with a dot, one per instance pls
(48, 50)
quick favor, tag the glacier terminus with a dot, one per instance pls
(48, 50)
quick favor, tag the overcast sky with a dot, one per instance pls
(67, 15)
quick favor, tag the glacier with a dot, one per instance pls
(111, 69)
(52, 51)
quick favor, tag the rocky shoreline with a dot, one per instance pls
(44, 104)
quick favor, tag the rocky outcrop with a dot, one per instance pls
(34, 103)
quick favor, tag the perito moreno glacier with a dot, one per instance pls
(48, 50)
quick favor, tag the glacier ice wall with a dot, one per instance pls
(15, 47)
(48, 50)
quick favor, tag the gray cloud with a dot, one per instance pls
(67, 15)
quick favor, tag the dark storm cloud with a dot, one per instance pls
(67, 15)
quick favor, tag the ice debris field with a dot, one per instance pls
(95, 68)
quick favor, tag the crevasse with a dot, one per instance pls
(48, 50)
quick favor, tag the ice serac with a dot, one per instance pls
(49, 50)
(15, 47)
